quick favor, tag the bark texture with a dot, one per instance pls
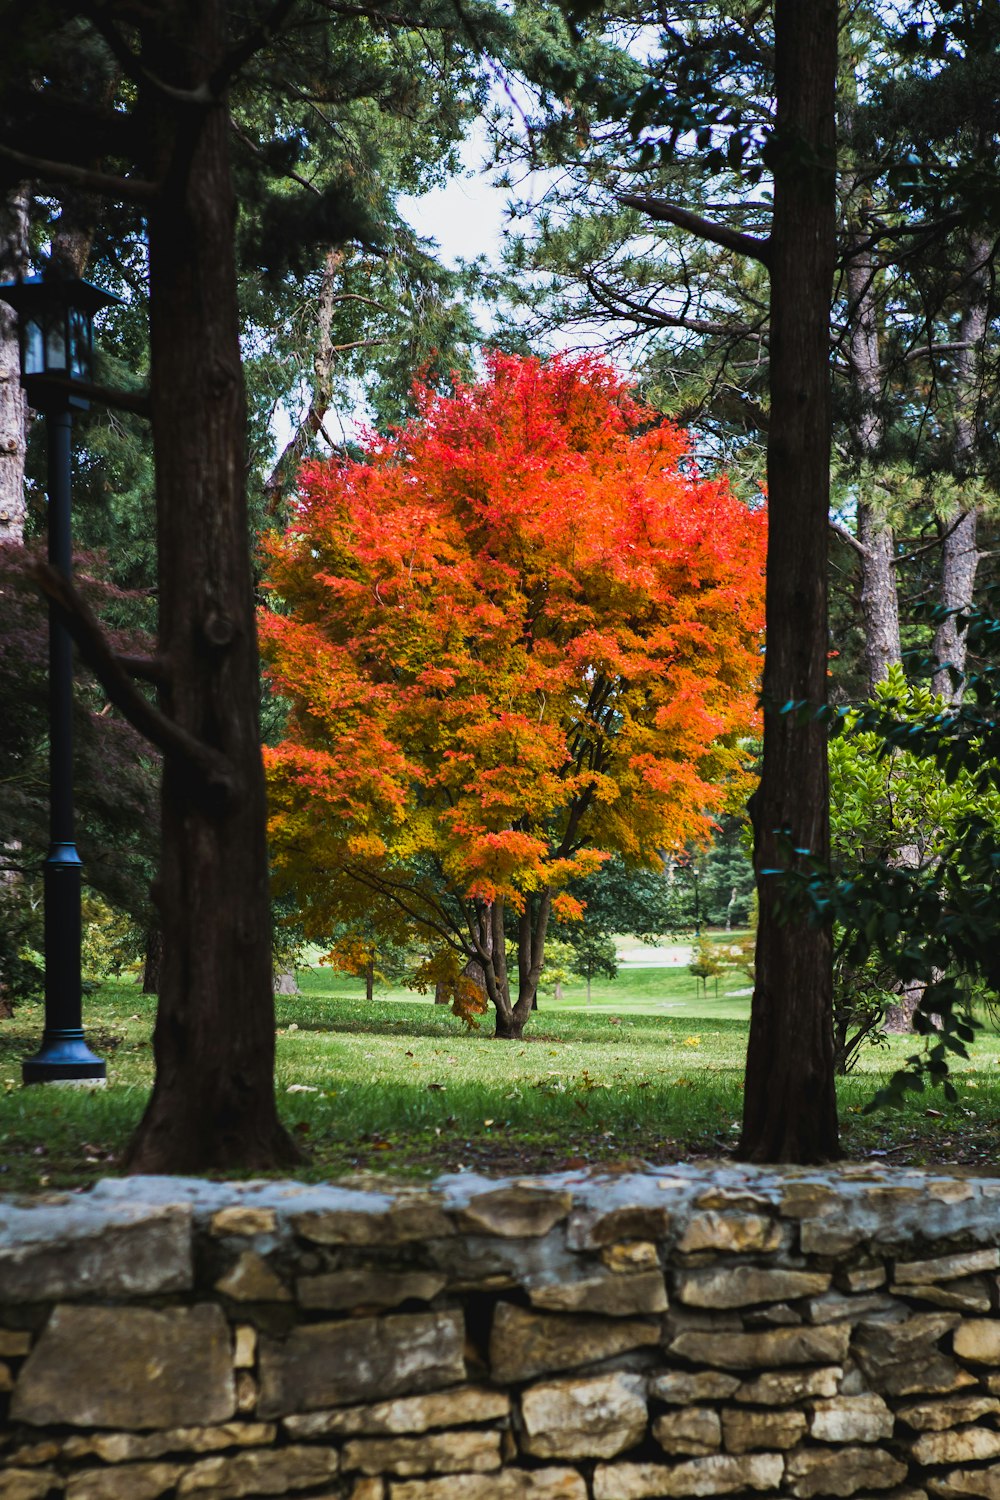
(213, 1098)
(13, 412)
(789, 1102)
(879, 598)
(959, 551)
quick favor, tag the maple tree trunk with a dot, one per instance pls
(959, 551)
(790, 1110)
(370, 980)
(151, 966)
(213, 1102)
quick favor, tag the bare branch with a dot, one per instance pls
(840, 530)
(168, 736)
(135, 189)
(705, 229)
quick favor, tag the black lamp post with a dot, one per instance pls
(56, 335)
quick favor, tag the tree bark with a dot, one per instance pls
(879, 597)
(13, 412)
(151, 967)
(790, 1110)
(213, 1102)
(959, 552)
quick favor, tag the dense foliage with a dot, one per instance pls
(520, 634)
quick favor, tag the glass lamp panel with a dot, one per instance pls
(55, 344)
(34, 347)
(80, 350)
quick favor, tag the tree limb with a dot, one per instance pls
(840, 530)
(135, 189)
(705, 229)
(168, 736)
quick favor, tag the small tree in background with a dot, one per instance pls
(522, 633)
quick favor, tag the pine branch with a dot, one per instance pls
(705, 229)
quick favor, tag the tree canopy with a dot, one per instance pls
(517, 635)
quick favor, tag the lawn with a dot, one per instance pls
(650, 1070)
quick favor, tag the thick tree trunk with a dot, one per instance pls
(959, 552)
(154, 957)
(213, 1100)
(532, 927)
(790, 1110)
(370, 981)
(13, 412)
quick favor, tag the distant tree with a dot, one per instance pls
(519, 635)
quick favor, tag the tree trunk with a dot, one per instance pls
(959, 553)
(879, 598)
(13, 412)
(370, 980)
(213, 1102)
(790, 1112)
(151, 967)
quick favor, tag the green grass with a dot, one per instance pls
(650, 1070)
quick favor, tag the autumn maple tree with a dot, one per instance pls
(518, 635)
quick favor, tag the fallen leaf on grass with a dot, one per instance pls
(301, 1088)
(436, 1087)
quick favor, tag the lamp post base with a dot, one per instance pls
(64, 1057)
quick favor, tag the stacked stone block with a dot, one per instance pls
(681, 1332)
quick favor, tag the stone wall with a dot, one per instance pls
(683, 1332)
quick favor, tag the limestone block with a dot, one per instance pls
(961, 1482)
(835, 1307)
(27, 1484)
(452, 1408)
(438, 1453)
(952, 1411)
(946, 1267)
(128, 1367)
(337, 1290)
(6, 1379)
(245, 1347)
(150, 1253)
(978, 1339)
(957, 1445)
(773, 1346)
(902, 1359)
(367, 1489)
(129, 1482)
(783, 1387)
(733, 1200)
(808, 1200)
(523, 1343)
(841, 1471)
(631, 1255)
(592, 1228)
(31, 1454)
(970, 1294)
(863, 1278)
(242, 1219)
(518, 1212)
(731, 1233)
(851, 1419)
(614, 1295)
(247, 1393)
(743, 1430)
(719, 1474)
(127, 1447)
(323, 1364)
(828, 1239)
(694, 1431)
(683, 1388)
(261, 1471)
(14, 1342)
(510, 1484)
(424, 1220)
(251, 1279)
(584, 1418)
(742, 1286)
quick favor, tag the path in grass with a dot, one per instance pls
(652, 1070)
